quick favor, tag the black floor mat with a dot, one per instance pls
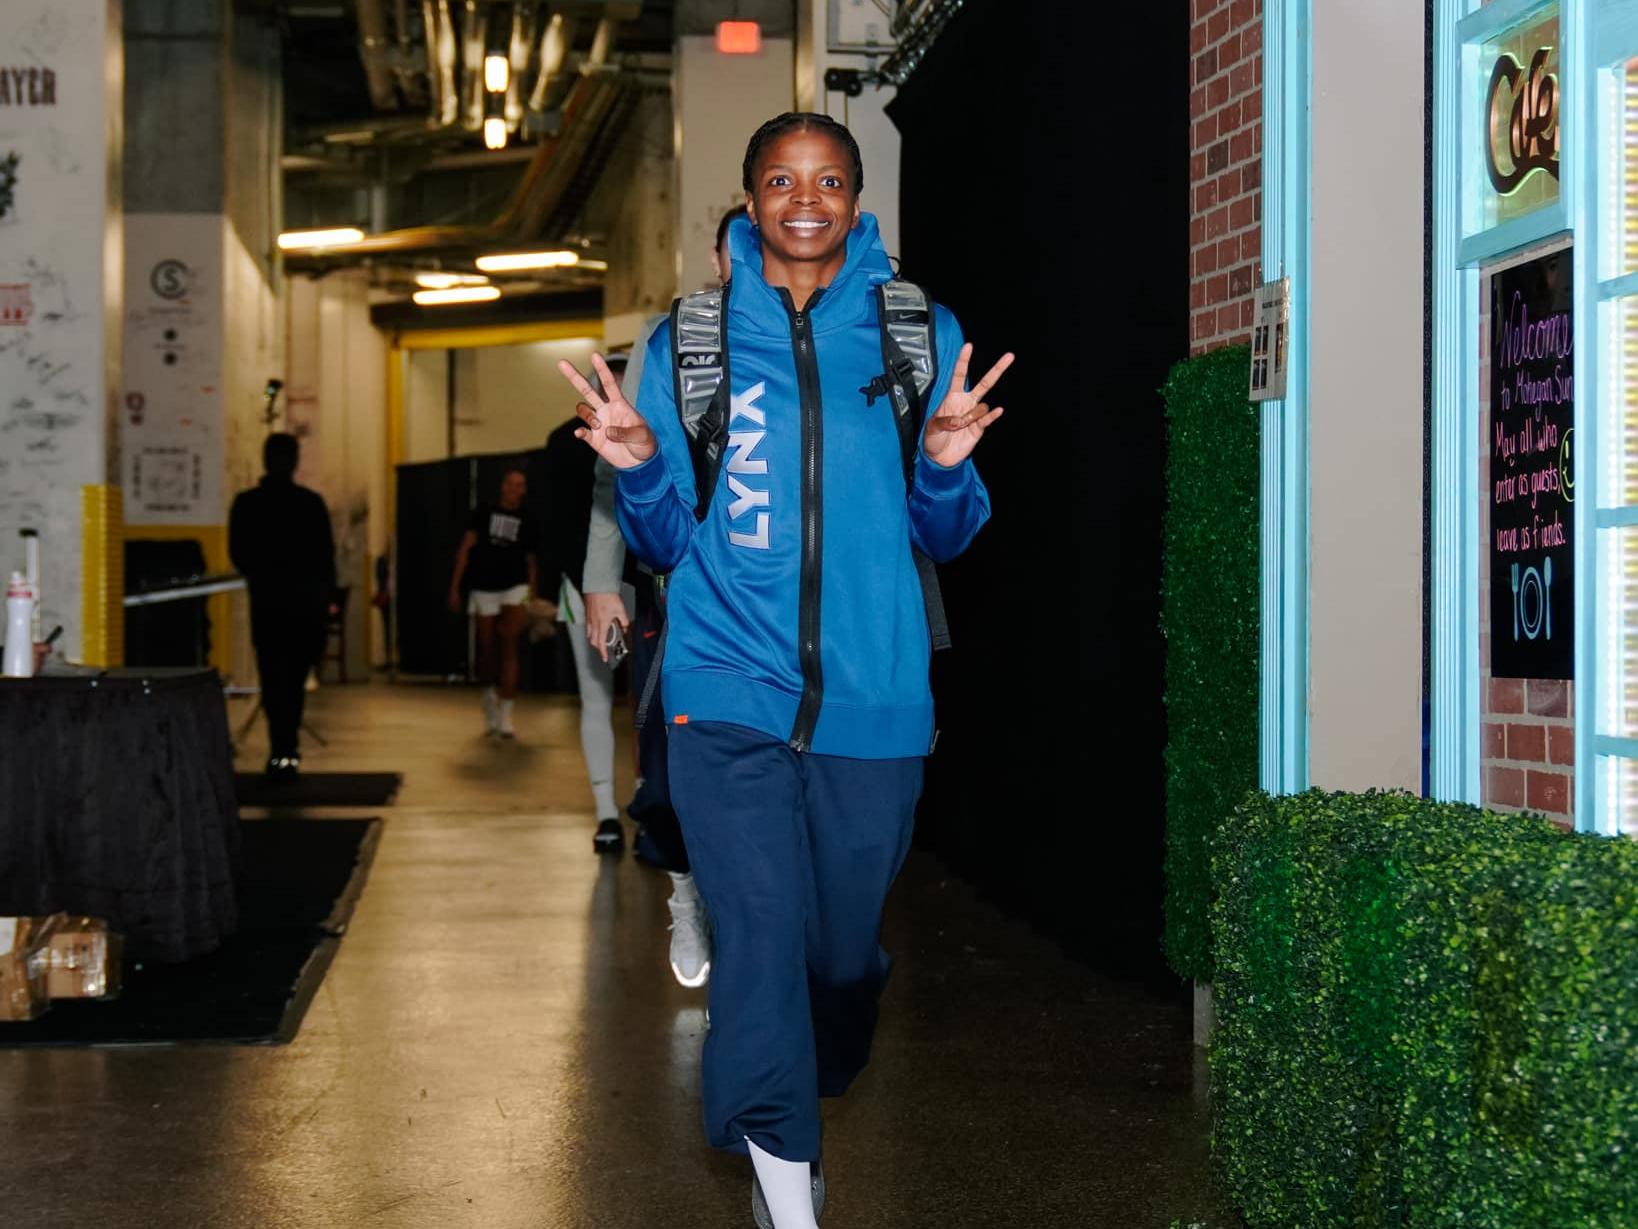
(301, 879)
(317, 789)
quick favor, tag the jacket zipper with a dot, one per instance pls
(807, 642)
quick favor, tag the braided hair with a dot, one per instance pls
(802, 121)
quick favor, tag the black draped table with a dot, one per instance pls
(116, 801)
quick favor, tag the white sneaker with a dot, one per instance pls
(503, 719)
(690, 935)
(491, 711)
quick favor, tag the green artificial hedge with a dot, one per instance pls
(1209, 613)
(1427, 1018)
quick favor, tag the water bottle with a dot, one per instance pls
(19, 661)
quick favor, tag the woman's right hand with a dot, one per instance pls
(613, 426)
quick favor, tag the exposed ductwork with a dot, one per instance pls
(593, 107)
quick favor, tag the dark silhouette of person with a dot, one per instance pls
(279, 539)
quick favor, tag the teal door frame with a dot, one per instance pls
(1286, 236)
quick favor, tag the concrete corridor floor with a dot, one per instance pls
(499, 1044)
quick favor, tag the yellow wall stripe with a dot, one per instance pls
(102, 564)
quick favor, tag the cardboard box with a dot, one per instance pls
(81, 957)
(22, 975)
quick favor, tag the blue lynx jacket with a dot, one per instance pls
(795, 607)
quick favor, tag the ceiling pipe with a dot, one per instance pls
(475, 42)
(435, 78)
(403, 59)
(518, 55)
(375, 51)
(554, 48)
(602, 40)
(441, 58)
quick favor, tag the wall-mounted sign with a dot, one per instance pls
(16, 303)
(27, 85)
(1516, 92)
(1271, 341)
(172, 438)
(1523, 110)
(1531, 439)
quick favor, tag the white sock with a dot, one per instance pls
(505, 707)
(682, 886)
(603, 800)
(788, 1188)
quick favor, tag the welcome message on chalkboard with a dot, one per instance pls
(1532, 473)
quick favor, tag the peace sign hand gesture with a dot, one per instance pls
(613, 426)
(954, 431)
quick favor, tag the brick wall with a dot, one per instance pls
(1225, 169)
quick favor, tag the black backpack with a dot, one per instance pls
(699, 364)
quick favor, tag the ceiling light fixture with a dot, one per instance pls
(497, 74)
(508, 262)
(456, 294)
(494, 133)
(327, 237)
(443, 281)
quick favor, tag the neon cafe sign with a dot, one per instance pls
(1522, 107)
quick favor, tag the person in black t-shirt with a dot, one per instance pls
(279, 539)
(496, 561)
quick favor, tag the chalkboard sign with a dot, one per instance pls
(1532, 471)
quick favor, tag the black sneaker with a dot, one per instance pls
(282, 767)
(610, 838)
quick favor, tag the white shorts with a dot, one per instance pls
(487, 603)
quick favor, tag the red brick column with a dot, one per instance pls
(1225, 169)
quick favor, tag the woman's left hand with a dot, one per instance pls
(954, 431)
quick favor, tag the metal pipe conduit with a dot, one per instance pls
(375, 52)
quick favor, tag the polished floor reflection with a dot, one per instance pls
(499, 1044)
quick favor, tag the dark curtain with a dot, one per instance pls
(1044, 200)
(435, 500)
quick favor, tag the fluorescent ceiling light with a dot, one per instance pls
(599, 266)
(507, 262)
(443, 281)
(494, 133)
(497, 74)
(329, 237)
(456, 294)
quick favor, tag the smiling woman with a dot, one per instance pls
(793, 510)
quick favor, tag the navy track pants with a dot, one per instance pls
(793, 854)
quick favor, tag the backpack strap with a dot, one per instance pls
(910, 352)
(699, 366)
(912, 361)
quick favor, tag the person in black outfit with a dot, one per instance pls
(496, 580)
(279, 539)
